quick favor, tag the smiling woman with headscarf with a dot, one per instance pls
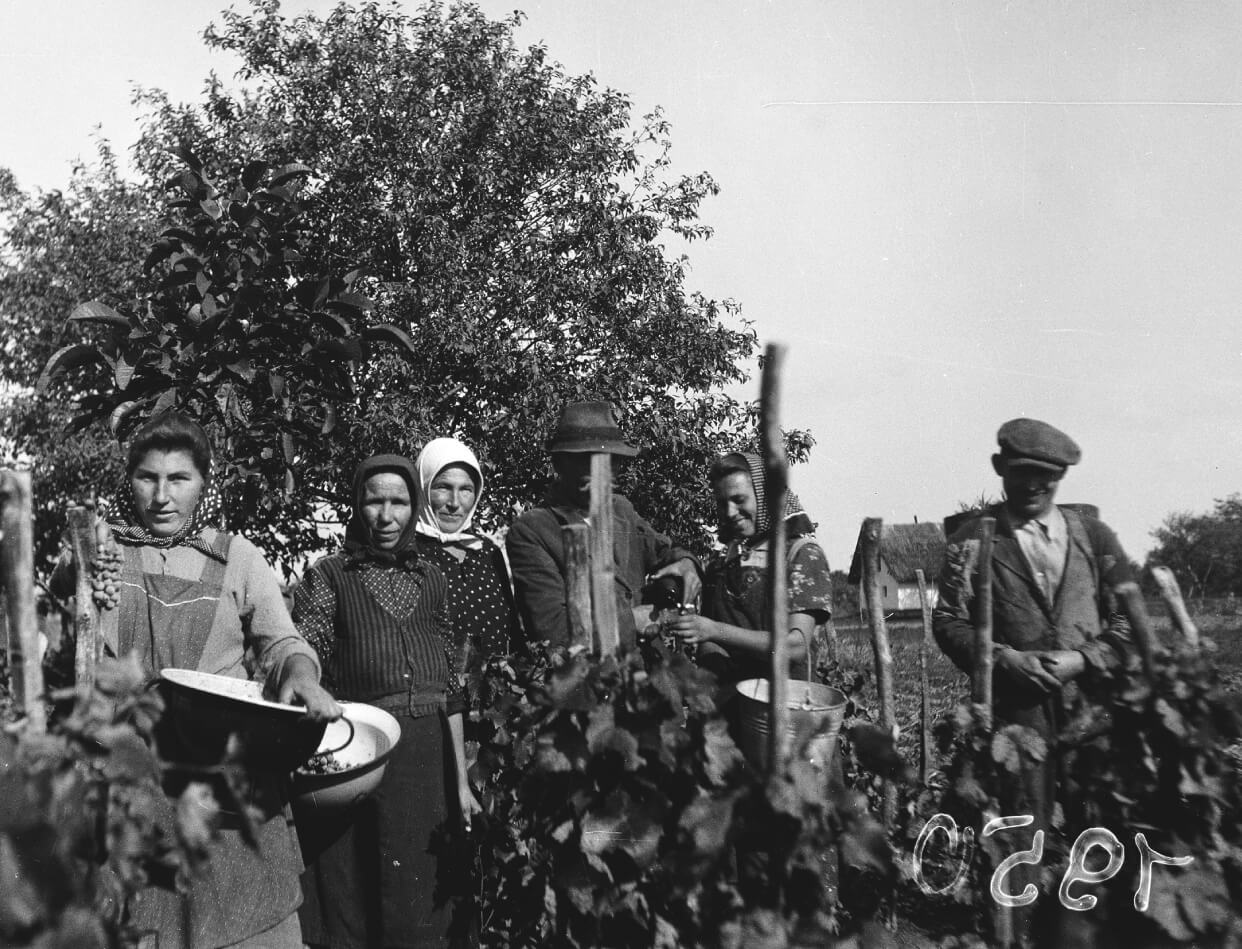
(480, 599)
(377, 614)
(732, 631)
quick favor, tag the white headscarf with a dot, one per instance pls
(437, 455)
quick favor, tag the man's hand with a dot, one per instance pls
(299, 681)
(691, 582)
(469, 805)
(1065, 664)
(1027, 668)
(691, 628)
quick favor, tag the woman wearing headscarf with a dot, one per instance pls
(480, 598)
(377, 612)
(732, 631)
(194, 597)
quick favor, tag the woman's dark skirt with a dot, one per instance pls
(370, 878)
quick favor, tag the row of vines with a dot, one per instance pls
(618, 811)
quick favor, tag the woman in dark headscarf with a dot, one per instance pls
(193, 597)
(377, 614)
(731, 633)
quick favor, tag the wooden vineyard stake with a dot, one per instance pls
(86, 614)
(17, 565)
(776, 478)
(603, 573)
(981, 694)
(577, 539)
(1171, 593)
(872, 529)
(981, 677)
(1130, 598)
(925, 754)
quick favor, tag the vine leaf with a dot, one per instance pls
(1005, 752)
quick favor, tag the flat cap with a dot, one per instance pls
(1028, 441)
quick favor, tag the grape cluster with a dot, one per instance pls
(106, 577)
(326, 763)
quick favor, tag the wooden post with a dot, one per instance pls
(925, 754)
(1131, 600)
(603, 574)
(1171, 593)
(85, 614)
(981, 692)
(17, 564)
(577, 539)
(981, 676)
(776, 480)
(872, 529)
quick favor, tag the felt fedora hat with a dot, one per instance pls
(589, 427)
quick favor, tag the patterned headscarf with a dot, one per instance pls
(129, 527)
(796, 519)
(358, 536)
(437, 455)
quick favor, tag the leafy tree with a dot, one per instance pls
(1204, 551)
(63, 470)
(64, 247)
(510, 218)
(239, 332)
(60, 248)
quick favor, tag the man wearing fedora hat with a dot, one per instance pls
(536, 550)
(1055, 640)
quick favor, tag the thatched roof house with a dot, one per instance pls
(904, 548)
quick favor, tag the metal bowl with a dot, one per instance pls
(203, 710)
(364, 753)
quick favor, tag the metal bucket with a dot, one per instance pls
(815, 716)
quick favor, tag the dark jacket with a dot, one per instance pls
(1024, 619)
(537, 560)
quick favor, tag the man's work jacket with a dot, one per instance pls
(1023, 618)
(536, 554)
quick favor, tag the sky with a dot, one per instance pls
(951, 213)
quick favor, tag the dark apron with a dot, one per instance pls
(241, 890)
(372, 875)
(736, 592)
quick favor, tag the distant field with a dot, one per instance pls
(947, 685)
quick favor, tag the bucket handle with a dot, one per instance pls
(810, 672)
(332, 751)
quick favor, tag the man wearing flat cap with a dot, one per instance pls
(536, 549)
(1053, 570)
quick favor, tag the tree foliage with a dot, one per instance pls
(516, 223)
(507, 216)
(64, 247)
(239, 331)
(1204, 551)
(61, 248)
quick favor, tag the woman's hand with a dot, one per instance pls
(299, 682)
(692, 629)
